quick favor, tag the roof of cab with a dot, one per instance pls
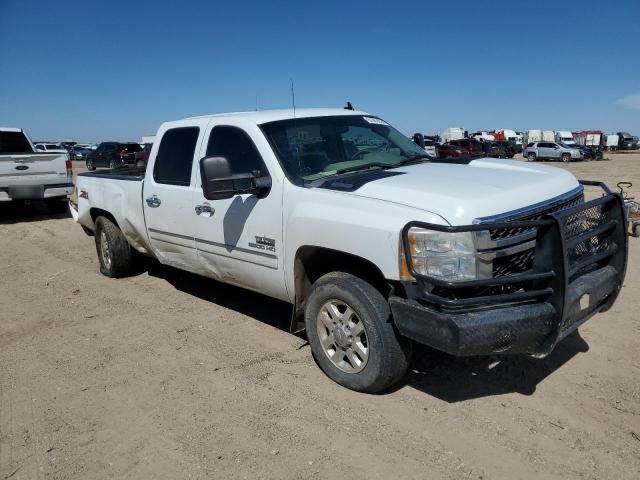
(264, 116)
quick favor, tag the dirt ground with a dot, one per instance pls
(169, 375)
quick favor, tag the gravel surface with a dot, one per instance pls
(170, 375)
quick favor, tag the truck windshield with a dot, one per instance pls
(311, 148)
(14, 142)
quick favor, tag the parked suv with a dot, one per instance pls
(552, 151)
(113, 155)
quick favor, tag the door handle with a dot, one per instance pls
(205, 210)
(153, 201)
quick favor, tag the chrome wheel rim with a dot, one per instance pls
(343, 336)
(104, 251)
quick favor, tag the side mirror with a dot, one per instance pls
(219, 183)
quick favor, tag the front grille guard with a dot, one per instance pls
(568, 243)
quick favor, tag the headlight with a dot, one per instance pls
(444, 255)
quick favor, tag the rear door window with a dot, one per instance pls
(174, 159)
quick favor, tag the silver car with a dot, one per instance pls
(552, 151)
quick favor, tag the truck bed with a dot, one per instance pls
(116, 193)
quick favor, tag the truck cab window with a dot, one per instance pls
(235, 144)
(175, 156)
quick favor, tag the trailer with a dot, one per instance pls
(453, 133)
(548, 136)
(611, 142)
(534, 136)
(589, 138)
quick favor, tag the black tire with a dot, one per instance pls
(389, 354)
(112, 164)
(57, 205)
(117, 260)
(566, 157)
(90, 165)
(531, 157)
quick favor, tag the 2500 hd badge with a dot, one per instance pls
(264, 243)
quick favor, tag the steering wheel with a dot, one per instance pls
(368, 149)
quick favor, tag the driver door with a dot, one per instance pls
(239, 239)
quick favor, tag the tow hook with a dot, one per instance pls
(631, 209)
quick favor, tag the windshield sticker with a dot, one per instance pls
(375, 121)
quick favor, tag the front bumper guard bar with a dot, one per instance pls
(579, 265)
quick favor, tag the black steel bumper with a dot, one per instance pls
(578, 269)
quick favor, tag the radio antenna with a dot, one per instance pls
(293, 98)
(256, 102)
(295, 123)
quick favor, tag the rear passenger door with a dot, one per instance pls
(168, 197)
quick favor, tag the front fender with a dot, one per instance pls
(348, 223)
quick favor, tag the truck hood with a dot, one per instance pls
(463, 193)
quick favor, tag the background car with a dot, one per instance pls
(447, 150)
(552, 151)
(113, 155)
(493, 149)
(142, 157)
(50, 147)
(509, 148)
(473, 146)
(79, 153)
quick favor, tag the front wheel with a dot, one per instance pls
(114, 252)
(351, 335)
(566, 157)
(90, 164)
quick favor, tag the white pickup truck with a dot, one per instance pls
(375, 244)
(29, 175)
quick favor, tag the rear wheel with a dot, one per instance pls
(566, 157)
(112, 164)
(531, 157)
(114, 252)
(352, 337)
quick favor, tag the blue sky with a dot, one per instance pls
(99, 70)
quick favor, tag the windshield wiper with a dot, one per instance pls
(366, 166)
(422, 158)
